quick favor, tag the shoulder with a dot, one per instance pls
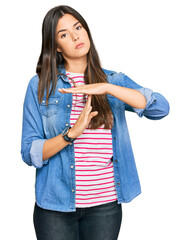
(109, 72)
(32, 87)
(33, 83)
(113, 75)
(121, 79)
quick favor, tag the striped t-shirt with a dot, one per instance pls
(93, 151)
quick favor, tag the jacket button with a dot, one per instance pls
(56, 101)
(72, 166)
(68, 105)
(118, 183)
(115, 160)
(73, 190)
(43, 101)
(114, 138)
(67, 124)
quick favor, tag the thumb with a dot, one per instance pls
(93, 114)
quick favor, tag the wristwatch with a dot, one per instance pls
(64, 134)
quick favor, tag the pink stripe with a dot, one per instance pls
(77, 77)
(91, 143)
(94, 148)
(75, 111)
(95, 138)
(94, 184)
(75, 114)
(110, 163)
(90, 152)
(68, 74)
(96, 133)
(79, 106)
(99, 201)
(80, 101)
(89, 165)
(79, 98)
(81, 95)
(94, 169)
(93, 174)
(94, 193)
(96, 189)
(92, 139)
(77, 180)
(93, 157)
(92, 161)
(95, 197)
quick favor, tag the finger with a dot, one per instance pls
(92, 114)
(60, 90)
(87, 112)
(63, 90)
(66, 90)
(88, 102)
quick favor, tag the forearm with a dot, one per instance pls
(53, 146)
(130, 96)
(56, 144)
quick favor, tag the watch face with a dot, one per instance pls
(68, 139)
(65, 131)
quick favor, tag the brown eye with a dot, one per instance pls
(79, 27)
(63, 35)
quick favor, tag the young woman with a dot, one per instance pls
(75, 134)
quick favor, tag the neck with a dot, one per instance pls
(76, 66)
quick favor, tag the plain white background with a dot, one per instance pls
(148, 41)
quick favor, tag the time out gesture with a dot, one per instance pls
(130, 96)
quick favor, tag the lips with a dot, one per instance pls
(79, 45)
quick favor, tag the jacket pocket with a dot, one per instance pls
(52, 108)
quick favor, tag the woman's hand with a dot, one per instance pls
(83, 120)
(132, 97)
(89, 89)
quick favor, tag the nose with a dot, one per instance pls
(75, 37)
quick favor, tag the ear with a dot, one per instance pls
(58, 49)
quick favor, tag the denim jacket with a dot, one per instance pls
(55, 177)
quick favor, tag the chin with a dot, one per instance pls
(83, 53)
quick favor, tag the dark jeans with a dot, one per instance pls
(94, 223)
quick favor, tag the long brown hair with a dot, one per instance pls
(50, 60)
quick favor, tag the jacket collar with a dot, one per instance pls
(108, 72)
(61, 70)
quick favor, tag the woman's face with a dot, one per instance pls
(70, 33)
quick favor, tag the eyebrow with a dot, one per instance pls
(62, 30)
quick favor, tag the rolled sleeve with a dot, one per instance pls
(33, 136)
(150, 99)
(36, 153)
(157, 106)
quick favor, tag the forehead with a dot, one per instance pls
(67, 21)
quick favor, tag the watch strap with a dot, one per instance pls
(66, 137)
